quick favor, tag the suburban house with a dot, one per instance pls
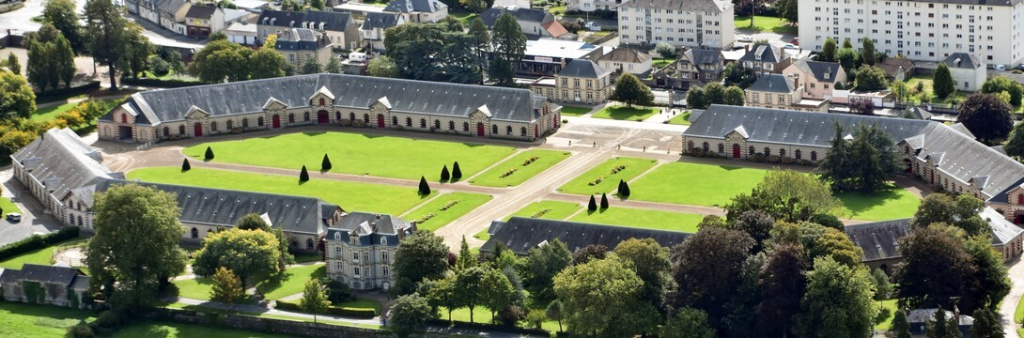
(243, 33)
(690, 23)
(372, 30)
(50, 285)
(763, 58)
(149, 10)
(897, 68)
(968, 71)
(694, 67)
(819, 79)
(340, 28)
(520, 234)
(201, 21)
(418, 11)
(626, 60)
(580, 82)
(360, 247)
(782, 92)
(298, 45)
(346, 100)
(593, 5)
(172, 15)
(547, 57)
(535, 23)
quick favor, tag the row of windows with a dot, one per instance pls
(666, 11)
(366, 255)
(797, 154)
(340, 266)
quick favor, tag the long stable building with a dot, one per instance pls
(331, 99)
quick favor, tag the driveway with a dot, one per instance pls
(33, 220)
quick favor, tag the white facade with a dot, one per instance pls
(677, 23)
(919, 30)
(593, 5)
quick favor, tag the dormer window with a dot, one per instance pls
(337, 236)
(384, 240)
(827, 75)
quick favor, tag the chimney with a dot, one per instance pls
(746, 49)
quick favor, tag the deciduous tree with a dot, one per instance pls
(734, 96)
(828, 51)
(421, 255)
(16, 96)
(222, 60)
(382, 66)
(986, 116)
(588, 253)
(619, 287)
(871, 78)
(786, 195)
(252, 222)
(540, 266)
(782, 284)
(266, 63)
(651, 263)
(61, 14)
(961, 212)
(900, 328)
(12, 64)
(110, 35)
(695, 98)
(496, 291)
(935, 268)
(710, 286)
(252, 255)
(837, 302)
(629, 90)
(314, 298)
(757, 224)
(688, 323)
(410, 314)
(227, 288)
(867, 51)
(1000, 84)
(311, 66)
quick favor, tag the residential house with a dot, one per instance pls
(690, 23)
(149, 10)
(547, 57)
(580, 82)
(298, 45)
(242, 33)
(763, 58)
(534, 23)
(360, 249)
(340, 28)
(626, 60)
(252, 6)
(968, 71)
(419, 11)
(897, 69)
(372, 30)
(593, 5)
(819, 79)
(51, 285)
(520, 234)
(693, 67)
(201, 21)
(172, 15)
(782, 92)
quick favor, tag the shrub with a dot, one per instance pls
(37, 242)
(597, 181)
(540, 214)
(773, 159)
(108, 319)
(531, 160)
(351, 312)
(604, 201)
(617, 169)
(185, 166)
(287, 306)
(456, 172)
(592, 205)
(80, 330)
(325, 164)
(337, 292)
(209, 154)
(449, 205)
(425, 218)
(424, 187)
(445, 176)
(158, 66)
(508, 173)
(304, 175)
(535, 317)
(511, 315)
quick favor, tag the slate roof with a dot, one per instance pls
(891, 65)
(299, 39)
(376, 20)
(626, 55)
(41, 273)
(200, 12)
(766, 51)
(371, 228)
(1003, 231)
(928, 315)
(62, 162)
(490, 16)
(773, 83)
(679, 5)
(409, 6)
(170, 6)
(701, 57)
(962, 60)
(920, 113)
(961, 128)
(583, 68)
(819, 69)
(332, 21)
(272, 17)
(879, 240)
(522, 234)
(246, 97)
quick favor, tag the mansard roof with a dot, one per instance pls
(370, 228)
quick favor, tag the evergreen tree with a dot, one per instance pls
(508, 43)
(311, 66)
(333, 66)
(986, 324)
(1015, 144)
(317, 5)
(555, 311)
(445, 176)
(828, 51)
(40, 71)
(64, 61)
(624, 189)
(790, 10)
(456, 172)
(325, 165)
(185, 166)
(13, 64)
(466, 259)
(592, 205)
(847, 44)
(227, 287)
(734, 96)
(835, 167)
(424, 187)
(900, 327)
(209, 154)
(61, 14)
(942, 82)
(630, 90)
(867, 51)
(304, 175)
(604, 201)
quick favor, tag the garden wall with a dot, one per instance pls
(267, 325)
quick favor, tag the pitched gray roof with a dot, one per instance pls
(773, 83)
(626, 55)
(408, 6)
(200, 12)
(1003, 231)
(962, 60)
(679, 5)
(60, 275)
(246, 97)
(766, 51)
(170, 6)
(702, 57)
(521, 234)
(333, 21)
(62, 162)
(820, 69)
(376, 20)
(879, 240)
(299, 39)
(490, 16)
(371, 228)
(583, 68)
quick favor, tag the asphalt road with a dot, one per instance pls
(32, 219)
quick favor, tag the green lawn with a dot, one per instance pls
(555, 210)
(358, 154)
(6, 207)
(293, 282)
(148, 328)
(893, 203)
(466, 203)
(26, 320)
(482, 235)
(641, 218)
(544, 159)
(1018, 315)
(480, 314)
(681, 119)
(349, 195)
(659, 63)
(695, 184)
(575, 111)
(884, 326)
(581, 184)
(42, 256)
(765, 24)
(465, 17)
(625, 113)
(927, 94)
(195, 288)
(363, 303)
(50, 113)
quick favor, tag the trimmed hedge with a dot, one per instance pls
(148, 82)
(64, 93)
(487, 327)
(37, 242)
(287, 306)
(334, 311)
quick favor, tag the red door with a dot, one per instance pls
(277, 121)
(480, 129)
(322, 117)
(933, 176)
(735, 151)
(197, 129)
(380, 121)
(536, 131)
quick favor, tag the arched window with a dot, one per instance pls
(195, 233)
(394, 120)
(782, 152)
(408, 122)
(167, 131)
(322, 101)
(767, 151)
(465, 126)
(352, 116)
(305, 116)
(721, 148)
(337, 237)
(437, 124)
(508, 130)
(522, 131)
(814, 155)
(494, 129)
(423, 123)
(705, 146)
(751, 151)
(291, 117)
(384, 241)
(1020, 199)
(259, 121)
(366, 118)
(213, 126)
(181, 130)
(797, 154)
(231, 124)
(451, 125)
(124, 118)
(80, 223)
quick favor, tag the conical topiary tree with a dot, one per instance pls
(325, 165)
(445, 176)
(456, 172)
(209, 154)
(185, 166)
(619, 189)
(624, 189)
(604, 201)
(592, 206)
(424, 187)
(304, 175)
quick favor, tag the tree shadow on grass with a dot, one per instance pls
(859, 202)
(313, 133)
(729, 168)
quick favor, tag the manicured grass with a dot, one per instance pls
(1018, 315)
(544, 159)
(148, 328)
(195, 288)
(42, 256)
(465, 17)
(695, 184)
(681, 119)
(555, 210)
(466, 203)
(267, 315)
(26, 320)
(358, 154)
(641, 218)
(634, 167)
(293, 282)
(891, 305)
(575, 111)
(658, 63)
(480, 314)
(894, 203)
(6, 206)
(363, 303)
(349, 195)
(50, 113)
(482, 235)
(305, 258)
(625, 113)
(765, 24)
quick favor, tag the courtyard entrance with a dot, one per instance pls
(125, 133)
(380, 121)
(322, 117)
(480, 129)
(277, 121)
(735, 151)
(197, 129)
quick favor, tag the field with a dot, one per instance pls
(545, 159)
(555, 210)
(195, 288)
(894, 203)
(6, 207)
(695, 184)
(641, 218)
(575, 111)
(466, 202)
(681, 119)
(581, 184)
(625, 113)
(765, 24)
(350, 196)
(358, 154)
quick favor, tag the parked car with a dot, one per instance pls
(790, 46)
(745, 38)
(999, 67)
(592, 26)
(14, 217)
(1019, 67)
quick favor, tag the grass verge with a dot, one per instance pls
(555, 210)
(625, 113)
(582, 184)
(517, 169)
(455, 205)
(641, 218)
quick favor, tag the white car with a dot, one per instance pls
(790, 46)
(14, 217)
(745, 38)
(592, 26)
(999, 67)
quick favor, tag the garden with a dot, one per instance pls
(444, 209)
(604, 178)
(291, 282)
(6, 206)
(681, 119)
(765, 24)
(519, 168)
(575, 111)
(626, 113)
(358, 154)
(555, 210)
